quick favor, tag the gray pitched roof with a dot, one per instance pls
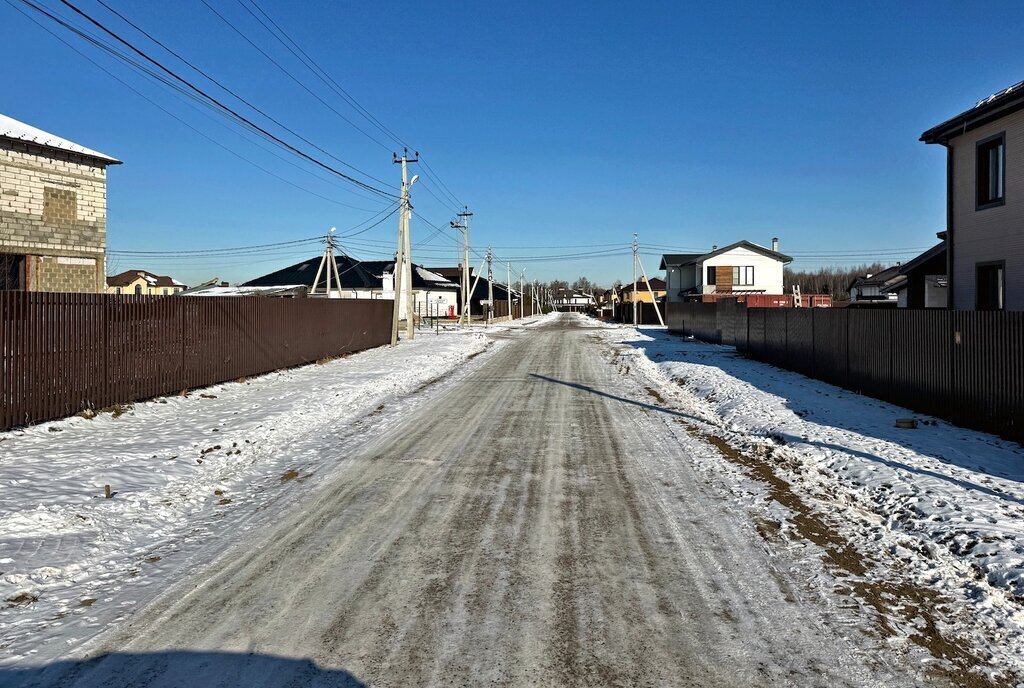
(11, 128)
(693, 258)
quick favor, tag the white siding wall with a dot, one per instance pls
(994, 233)
(767, 271)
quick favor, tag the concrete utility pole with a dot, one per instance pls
(654, 301)
(403, 261)
(633, 294)
(508, 288)
(331, 265)
(522, 294)
(463, 225)
(490, 285)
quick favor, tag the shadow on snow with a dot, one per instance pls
(172, 669)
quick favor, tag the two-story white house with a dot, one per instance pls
(985, 202)
(740, 268)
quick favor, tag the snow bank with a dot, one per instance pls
(189, 474)
(946, 503)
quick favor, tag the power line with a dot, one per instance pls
(233, 93)
(221, 106)
(176, 117)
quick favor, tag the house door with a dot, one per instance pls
(989, 287)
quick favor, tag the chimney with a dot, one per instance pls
(775, 244)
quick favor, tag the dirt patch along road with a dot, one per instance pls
(538, 524)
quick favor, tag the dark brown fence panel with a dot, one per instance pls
(966, 367)
(987, 353)
(775, 335)
(830, 346)
(922, 376)
(62, 353)
(800, 339)
(869, 351)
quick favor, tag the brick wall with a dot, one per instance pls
(53, 206)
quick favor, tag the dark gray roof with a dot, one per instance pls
(878, 279)
(923, 258)
(692, 258)
(355, 274)
(997, 105)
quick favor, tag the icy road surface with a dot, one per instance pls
(541, 522)
(558, 516)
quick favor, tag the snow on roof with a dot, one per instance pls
(13, 129)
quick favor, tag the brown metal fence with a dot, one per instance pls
(964, 366)
(62, 353)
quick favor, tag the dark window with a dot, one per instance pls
(711, 275)
(12, 272)
(989, 289)
(138, 290)
(743, 276)
(991, 167)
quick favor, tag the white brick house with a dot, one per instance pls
(53, 211)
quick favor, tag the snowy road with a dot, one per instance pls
(540, 523)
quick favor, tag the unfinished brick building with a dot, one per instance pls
(53, 212)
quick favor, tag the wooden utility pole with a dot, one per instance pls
(508, 288)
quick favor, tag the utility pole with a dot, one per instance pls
(463, 225)
(508, 288)
(650, 290)
(522, 294)
(403, 261)
(633, 294)
(327, 261)
(490, 286)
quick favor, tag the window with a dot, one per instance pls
(991, 171)
(743, 276)
(138, 290)
(711, 275)
(117, 290)
(989, 288)
(165, 291)
(12, 272)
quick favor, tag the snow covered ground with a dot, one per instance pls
(936, 513)
(188, 475)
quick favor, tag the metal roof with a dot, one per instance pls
(692, 258)
(11, 128)
(999, 104)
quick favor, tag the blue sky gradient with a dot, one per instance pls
(560, 125)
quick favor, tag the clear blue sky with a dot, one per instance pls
(691, 123)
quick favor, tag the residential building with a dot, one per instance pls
(572, 301)
(874, 288)
(644, 290)
(741, 268)
(985, 202)
(922, 281)
(478, 290)
(53, 212)
(143, 283)
(432, 293)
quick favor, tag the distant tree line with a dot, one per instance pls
(832, 280)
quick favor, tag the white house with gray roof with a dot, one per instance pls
(740, 268)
